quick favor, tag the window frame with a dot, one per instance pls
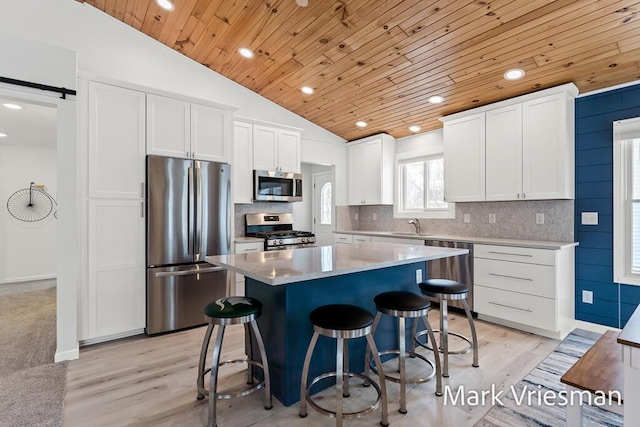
(622, 203)
(407, 157)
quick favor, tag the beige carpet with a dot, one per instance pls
(32, 387)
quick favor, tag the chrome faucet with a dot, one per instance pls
(416, 223)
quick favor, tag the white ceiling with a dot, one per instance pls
(32, 126)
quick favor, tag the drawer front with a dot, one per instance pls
(243, 248)
(521, 308)
(343, 238)
(516, 254)
(533, 279)
(361, 239)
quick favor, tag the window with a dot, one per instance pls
(627, 201)
(420, 188)
(325, 204)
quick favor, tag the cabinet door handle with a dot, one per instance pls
(250, 250)
(517, 195)
(511, 306)
(511, 277)
(142, 190)
(141, 209)
(510, 253)
(524, 196)
(188, 154)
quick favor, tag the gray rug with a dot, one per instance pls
(544, 377)
(32, 387)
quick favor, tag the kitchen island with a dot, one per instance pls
(291, 283)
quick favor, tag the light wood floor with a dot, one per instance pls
(151, 381)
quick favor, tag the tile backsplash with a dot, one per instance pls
(513, 220)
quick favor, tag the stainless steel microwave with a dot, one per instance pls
(273, 186)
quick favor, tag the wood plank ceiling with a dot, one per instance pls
(380, 60)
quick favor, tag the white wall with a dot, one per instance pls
(420, 141)
(28, 248)
(326, 153)
(302, 213)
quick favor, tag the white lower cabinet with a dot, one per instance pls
(245, 248)
(344, 239)
(116, 267)
(525, 288)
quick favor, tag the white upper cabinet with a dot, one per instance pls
(242, 162)
(276, 149)
(548, 148)
(178, 128)
(464, 159)
(116, 142)
(518, 149)
(504, 153)
(370, 173)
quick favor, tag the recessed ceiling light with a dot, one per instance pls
(166, 5)
(12, 106)
(436, 99)
(514, 74)
(415, 128)
(308, 90)
(3, 135)
(247, 53)
(302, 3)
(361, 124)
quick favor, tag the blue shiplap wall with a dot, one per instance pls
(613, 304)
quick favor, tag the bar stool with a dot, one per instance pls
(223, 312)
(405, 305)
(342, 322)
(444, 290)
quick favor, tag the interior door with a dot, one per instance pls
(323, 212)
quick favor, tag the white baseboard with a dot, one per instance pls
(28, 279)
(594, 327)
(112, 337)
(67, 355)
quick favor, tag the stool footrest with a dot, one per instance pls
(240, 393)
(397, 380)
(455, 334)
(347, 415)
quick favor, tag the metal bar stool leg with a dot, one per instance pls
(383, 386)
(436, 354)
(444, 336)
(474, 336)
(339, 380)
(367, 359)
(265, 366)
(213, 377)
(248, 343)
(401, 363)
(345, 377)
(414, 331)
(305, 374)
(203, 361)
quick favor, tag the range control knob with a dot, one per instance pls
(280, 242)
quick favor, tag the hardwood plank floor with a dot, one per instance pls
(143, 381)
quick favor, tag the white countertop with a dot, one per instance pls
(297, 265)
(540, 244)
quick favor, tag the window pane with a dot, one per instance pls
(635, 206)
(435, 184)
(414, 185)
(635, 169)
(325, 204)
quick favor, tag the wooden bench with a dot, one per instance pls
(600, 371)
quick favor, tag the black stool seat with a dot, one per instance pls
(443, 286)
(341, 317)
(401, 301)
(232, 307)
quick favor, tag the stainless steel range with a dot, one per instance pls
(277, 231)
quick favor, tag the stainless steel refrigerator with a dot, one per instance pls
(188, 217)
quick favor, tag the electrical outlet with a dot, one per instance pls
(587, 297)
(467, 218)
(356, 216)
(540, 218)
(375, 216)
(419, 275)
(589, 218)
(492, 218)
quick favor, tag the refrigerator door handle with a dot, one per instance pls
(191, 211)
(188, 272)
(229, 215)
(199, 213)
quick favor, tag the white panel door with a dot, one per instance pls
(355, 177)
(209, 133)
(265, 140)
(372, 169)
(504, 153)
(464, 156)
(116, 264)
(288, 151)
(545, 154)
(168, 127)
(242, 162)
(116, 142)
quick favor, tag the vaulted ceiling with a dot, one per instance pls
(380, 60)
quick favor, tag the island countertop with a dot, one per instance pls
(297, 265)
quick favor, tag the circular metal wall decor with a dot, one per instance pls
(30, 204)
